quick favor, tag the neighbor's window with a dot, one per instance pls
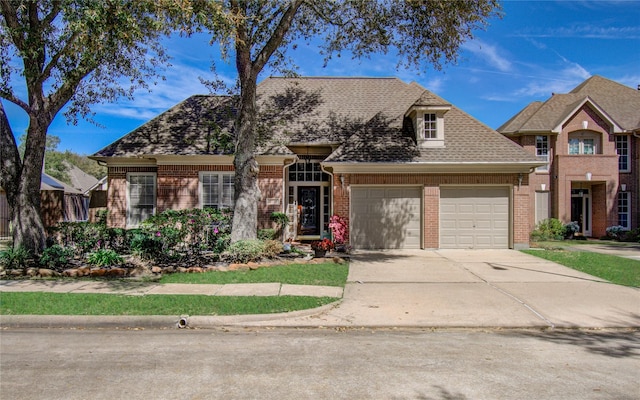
(430, 126)
(583, 144)
(141, 195)
(542, 151)
(216, 190)
(622, 148)
(624, 210)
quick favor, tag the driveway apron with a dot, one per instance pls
(477, 288)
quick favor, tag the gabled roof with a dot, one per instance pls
(80, 180)
(618, 104)
(47, 182)
(185, 129)
(363, 117)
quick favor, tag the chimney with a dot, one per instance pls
(638, 87)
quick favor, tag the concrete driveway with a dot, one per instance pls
(475, 288)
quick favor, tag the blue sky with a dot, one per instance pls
(537, 48)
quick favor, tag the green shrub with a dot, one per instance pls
(244, 251)
(281, 220)
(188, 232)
(267, 234)
(101, 217)
(56, 257)
(143, 244)
(272, 248)
(102, 257)
(548, 229)
(15, 258)
(82, 237)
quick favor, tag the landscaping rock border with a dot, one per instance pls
(137, 268)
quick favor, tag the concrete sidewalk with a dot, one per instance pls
(408, 288)
(146, 288)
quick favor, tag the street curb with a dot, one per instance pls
(151, 321)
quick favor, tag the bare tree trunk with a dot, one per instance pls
(21, 182)
(247, 191)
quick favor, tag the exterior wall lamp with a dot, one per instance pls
(623, 187)
(588, 175)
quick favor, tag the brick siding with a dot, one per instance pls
(177, 188)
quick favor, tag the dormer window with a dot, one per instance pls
(428, 122)
(430, 126)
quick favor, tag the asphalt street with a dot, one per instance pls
(259, 363)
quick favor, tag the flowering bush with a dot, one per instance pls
(616, 232)
(570, 229)
(338, 226)
(324, 244)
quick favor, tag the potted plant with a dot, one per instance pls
(321, 247)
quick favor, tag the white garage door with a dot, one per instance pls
(386, 218)
(474, 217)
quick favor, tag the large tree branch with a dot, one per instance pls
(12, 98)
(276, 38)
(11, 19)
(55, 10)
(46, 72)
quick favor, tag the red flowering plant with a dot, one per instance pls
(324, 244)
(338, 226)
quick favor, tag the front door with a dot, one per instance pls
(581, 210)
(309, 203)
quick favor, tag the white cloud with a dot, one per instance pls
(585, 32)
(181, 82)
(630, 80)
(555, 81)
(435, 85)
(489, 54)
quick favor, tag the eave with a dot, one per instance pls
(434, 167)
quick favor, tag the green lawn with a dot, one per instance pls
(30, 303)
(623, 271)
(326, 274)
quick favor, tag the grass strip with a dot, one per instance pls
(619, 270)
(44, 303)
(325, 274)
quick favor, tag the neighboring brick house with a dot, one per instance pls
(589, 137)
(403, 166)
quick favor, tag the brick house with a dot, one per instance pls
(589, 137)
(406, 168)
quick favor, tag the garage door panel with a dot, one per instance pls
(386, 217)
(474, 217)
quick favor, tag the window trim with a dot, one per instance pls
(545, 157)
(581, 137)
(627, 196)
(128, 223)
(430, 126)
(626, 156)
(220, 174)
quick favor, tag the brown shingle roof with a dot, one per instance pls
(188, 128)
(365, 117)
(621, 104)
